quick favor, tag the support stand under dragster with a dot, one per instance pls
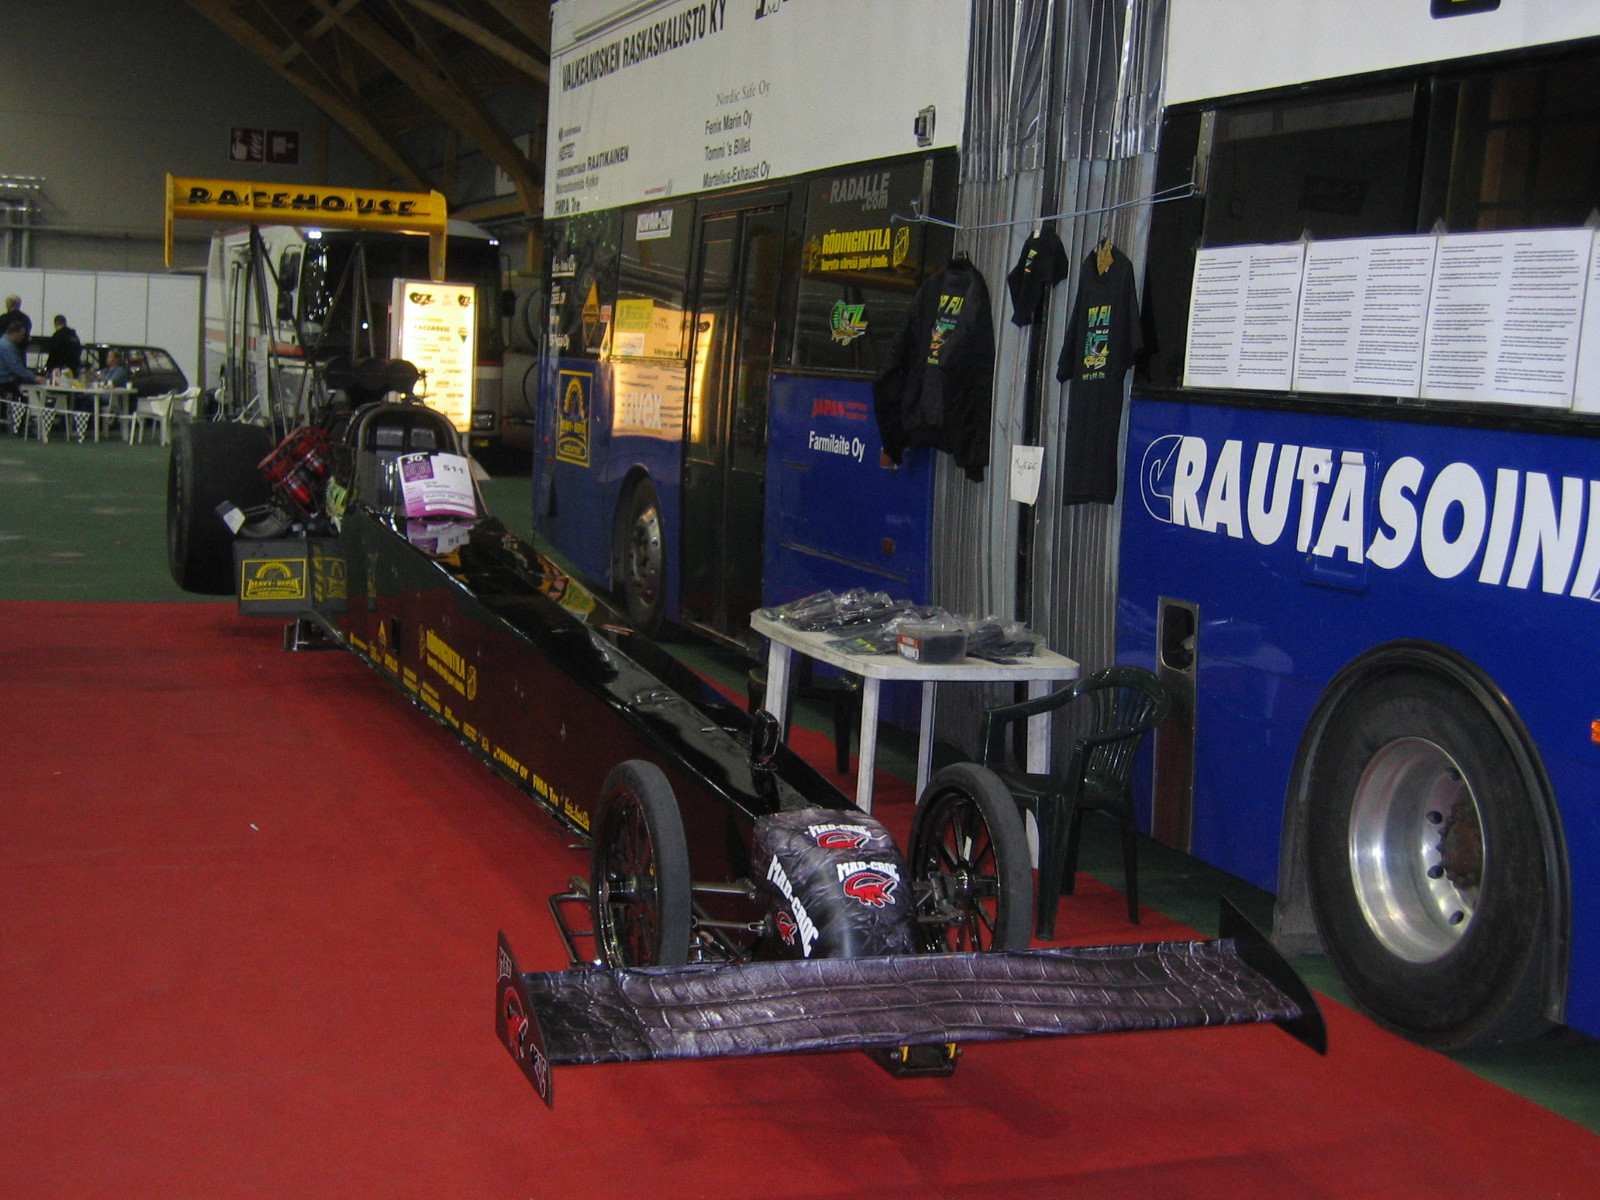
(886, 1003)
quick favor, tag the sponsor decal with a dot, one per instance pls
(1505, 527)
(871, 884)
(833, 443)
(875, 249)
(272, 579)
(849, 410)
(871, 190)
(572, 418)
(840, 837)
(806, 927)
(501, 756)
(650, 226)
(786, 927)
(523, 1048)
(847, 322)
(449, 665)
(328, 579)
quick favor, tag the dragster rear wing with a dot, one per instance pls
(812, 1005)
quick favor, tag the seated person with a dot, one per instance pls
(113, 373)
(13, 371)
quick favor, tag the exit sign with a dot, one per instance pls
(264, 145)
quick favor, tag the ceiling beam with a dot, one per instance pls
(458, 107)
(348, 115)
(332, 19)
(531, 20)
(498, 46)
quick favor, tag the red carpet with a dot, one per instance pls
(249, 904)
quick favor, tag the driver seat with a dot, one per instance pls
(384, 433)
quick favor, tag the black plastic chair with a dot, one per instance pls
(1122, 705)
(841, 692)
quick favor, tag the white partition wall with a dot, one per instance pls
(116, 306)
(29, 285)
(119, 308)
(71, 294)
(172, 320)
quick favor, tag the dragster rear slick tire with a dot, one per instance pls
(639, 871)
(210, 463)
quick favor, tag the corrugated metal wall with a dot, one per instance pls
(1022, 161)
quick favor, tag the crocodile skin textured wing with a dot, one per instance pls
(599, 1016)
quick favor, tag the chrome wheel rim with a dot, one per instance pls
(1416, 849)
(963, 896)
(644, 557)
(628, 904)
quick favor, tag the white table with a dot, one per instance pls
(41, 395)
(1038, 672)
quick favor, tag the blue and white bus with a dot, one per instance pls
(1361, 511)
(725, 276)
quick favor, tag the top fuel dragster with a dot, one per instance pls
(740, 904)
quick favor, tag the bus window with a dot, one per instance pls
(652, 281)
(583, 257)
(288, 281)
(314, 297)
(860, 267)
(1336, 167)
(1516, 149)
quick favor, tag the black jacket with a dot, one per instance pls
(65, 350)
(937, 387)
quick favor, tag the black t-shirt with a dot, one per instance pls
(1041, 265)
(1103, 339)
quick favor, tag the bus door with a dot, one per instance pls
(738, 258)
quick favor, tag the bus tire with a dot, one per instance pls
(210, 462)
(1426, 864)
(641, 559)
(639, 886)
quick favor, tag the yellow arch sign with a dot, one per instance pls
(254, 203)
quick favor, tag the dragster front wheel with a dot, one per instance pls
(970, 865)
(639, 871)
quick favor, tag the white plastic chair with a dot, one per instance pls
(153, 412)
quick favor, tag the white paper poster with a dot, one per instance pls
(1242, 317)
(1505, 317)
(435, 327)
(1586, 388)
(1026, 463)
(1363, 312)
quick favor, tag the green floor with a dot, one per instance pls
(87, 523)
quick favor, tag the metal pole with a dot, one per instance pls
(1038, 356)
(259, 268)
